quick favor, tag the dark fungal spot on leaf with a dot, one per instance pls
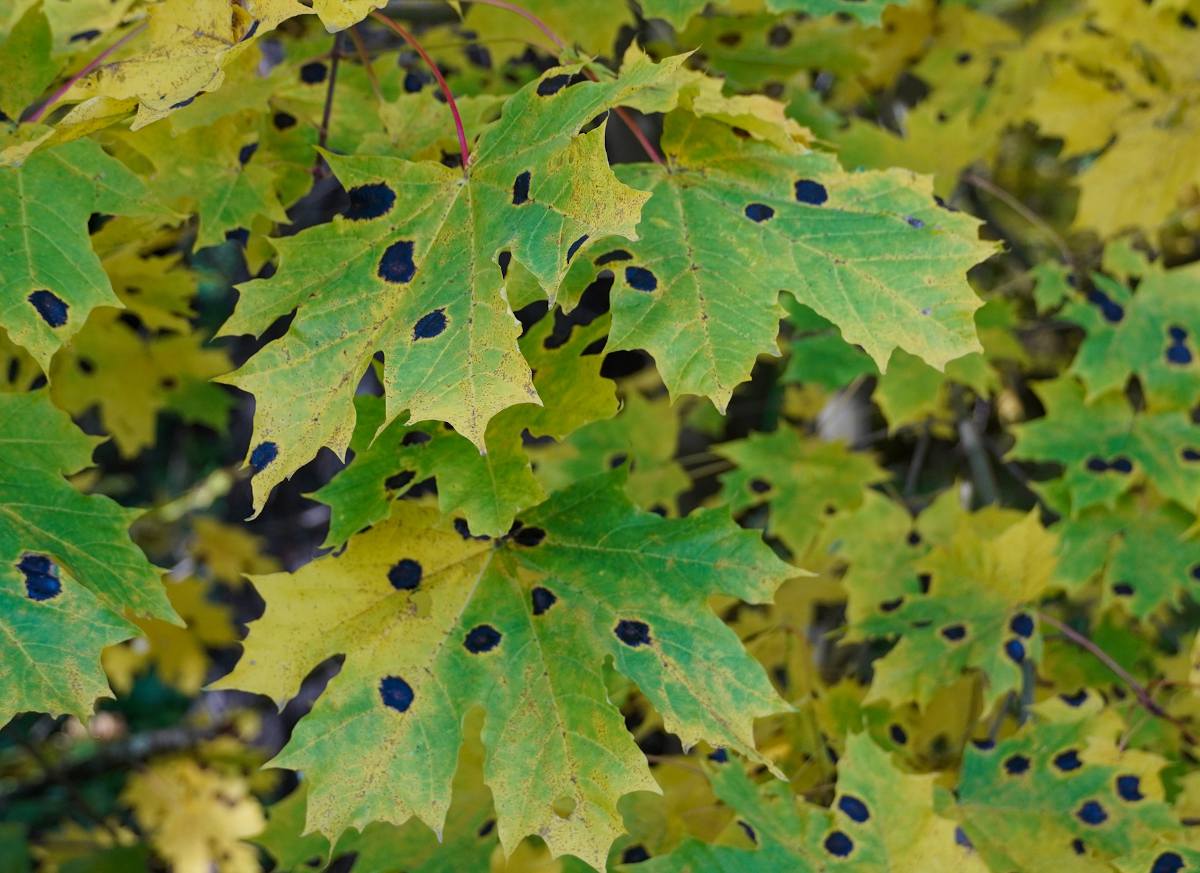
(283, 120)
(246, 152)
(395, 693)
(1077, 846)
(415, 438)
(617, 460)
(1097, 465)
(574, 247)
(370, 201)
(1177, 333)
(839, 844)
(504, 259)
(1122, 589)
(1015, 765)
(399, 480)
(430, 325)
(632, 633)
(811, 192)
(182, 103)
(413, 82)
(51, 307)
(1092, 813)
(487, 827)
(983, 745)
(397, 265)
(729, 39)
(479, 56)
(529, 536)
(85, 365)
(1022, 625)
(84, 36)
(614, 255)
(759, 212)
(552, 84)
(925, 580)
(635, 855)
(1067, 761)
(854, 808)
(891, 605)
(913, 221)
(1121, 465)
(719, 756)
(41, 577)
(760, 486)
(1113, 312)
(543, 599)
(314, 72)
(1179, 355)
(1191, 455)
(1076, 699)
(779, 36)
(1167, 862)
(640, 279)
(954, 633)
(482, 638)
(464, 531)
(520, 189)
(405, 575)
(913, 538)
(961, 839)
(748, 831)
(1129, 788)
(1015, 650)
(262, 456)
(898, 734)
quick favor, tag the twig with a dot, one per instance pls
(463, 149)
(95, 62)
(327, 112)
(918, 461)
(971, 440)
(1025, 212)
(634, 128)
(1140, 692)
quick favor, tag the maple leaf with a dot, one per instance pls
(521, 627)
(50, 279)
(25, 53)
(67, 566)
(416, 269)
(869, 251)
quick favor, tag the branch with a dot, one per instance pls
(327, 111)
(1064, 251)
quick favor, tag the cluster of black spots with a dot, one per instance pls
(718, 756)
(759, 212)
(1122, 589)
(633, 633)
(574, 247)
(262, 456)
(779, 36)
(482, 638)
(1119, 464)
(542, 599)
(954, 632)
(397, 264)
(1067, 761)
(1015, 650)
(1015, 765)
(913, 221)
(1112, 311)
(641, 279)
(487, 827)
(520, 189)
(430, 325)
(41, 577)
(51, 307)
(405, 575)
(811, 192)
(395, 693)
(246, 152)
(614, 255)
(464, 531)
(283, 120)
(898, 734)
(370, 201)
(839, 844)
(1077, 699)
(313, 73)
(1021, 625)
(1129, 787)
(891, 605)
(1167, 862)
(854, 808)
(1092, 813)
(84, 36)
(1177, 352)
(635, 855)
(399, 480)
(553, 84)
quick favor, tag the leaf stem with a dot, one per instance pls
(463, 149)
(634, 128)
(93, 64)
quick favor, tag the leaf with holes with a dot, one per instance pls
(68, 570)
(521, 627)
(416, 270)
(869, 251)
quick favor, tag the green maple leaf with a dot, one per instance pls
(1151, 334)
(50, 279)
(487, 490)
(68, 569)
(974, 615)
(415, 271)
(871, 252)
(801, 479)
(1107, 448)
(1032, 802)
(433, 623)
